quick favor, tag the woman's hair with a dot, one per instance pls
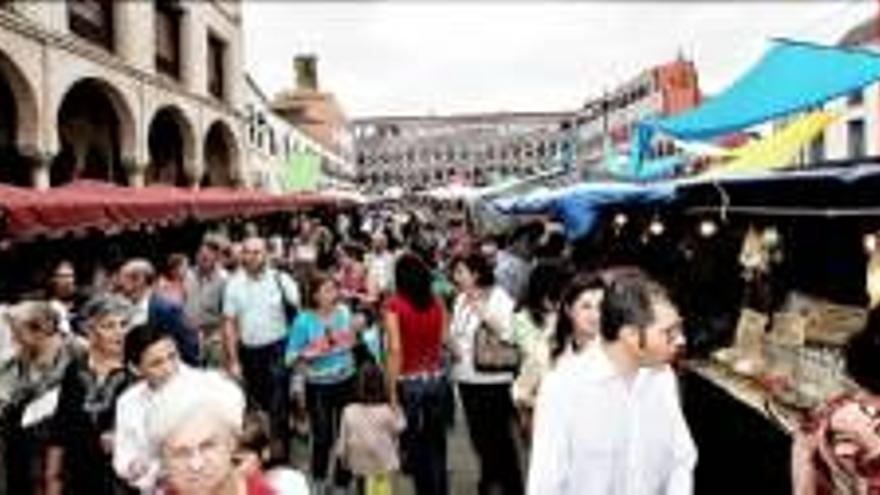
(479, 265)
(413, 280)
(190, 397)
(371, 385)
(862, 355)
(101, 305)
(139, 339)
(316, 280)
(175, 262)
(255, 432)
(564, 334)
(36, 314)
(545, 284)
(354, 251)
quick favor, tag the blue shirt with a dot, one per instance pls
(326, 351)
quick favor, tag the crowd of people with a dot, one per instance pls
(357, 340)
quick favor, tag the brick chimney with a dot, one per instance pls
(305, 68)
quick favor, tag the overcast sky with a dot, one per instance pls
(415, 57)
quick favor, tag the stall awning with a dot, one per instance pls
(826, 191)
(777, 150)
(792, 77)
(84, 205)
(579, 206)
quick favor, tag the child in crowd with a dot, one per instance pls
(368, 436)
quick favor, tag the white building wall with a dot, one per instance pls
(42, 58)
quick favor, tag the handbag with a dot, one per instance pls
(290, 309)
(492, 354)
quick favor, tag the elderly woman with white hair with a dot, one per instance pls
(194, 427)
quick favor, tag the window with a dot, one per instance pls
(216, 67)
(168, 38)
(856, 133)
(92, 20)
(817, 149)
(855, 98)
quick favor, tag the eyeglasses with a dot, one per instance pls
(181, 457)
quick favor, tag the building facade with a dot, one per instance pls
(421, 152)
(662, 90)
(319, 115)
(135, 92)
(272, 142)
(856, 134)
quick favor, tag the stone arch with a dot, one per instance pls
(19, 124)
(96, 132)
(221, 156)
(171, 144)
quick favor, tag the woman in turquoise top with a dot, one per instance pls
(320, 342)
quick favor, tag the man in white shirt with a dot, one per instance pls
(255, 336)
(152, 352)
(609, 421)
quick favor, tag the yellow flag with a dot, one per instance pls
(777, 150)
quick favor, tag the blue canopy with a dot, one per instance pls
(579, 206)
(793, 76)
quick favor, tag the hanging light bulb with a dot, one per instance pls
(708, 228)
(620, 220)
(657, 228)
(870, 243)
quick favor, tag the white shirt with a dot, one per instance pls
(7, 343)
(380, 268)
(257, 305)
(140, 311)
(463, 327)
(595, 434)
(131, 442)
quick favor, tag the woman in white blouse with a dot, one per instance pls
(485, 396)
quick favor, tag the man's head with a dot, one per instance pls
(136, 277)
(209, 253)
(34, 326)
(62, 284)
(638, 315)
(253, 254)
(152, 352)
(380, 241)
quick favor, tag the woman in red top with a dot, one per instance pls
(416, 322)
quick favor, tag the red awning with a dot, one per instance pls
(82, 205)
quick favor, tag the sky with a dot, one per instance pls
(397, 57)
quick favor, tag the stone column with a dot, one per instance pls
(134, 33)
(136, 172)
(41, 166)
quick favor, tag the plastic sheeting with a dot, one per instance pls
(792, 77)
(777, 150)
(579, 207)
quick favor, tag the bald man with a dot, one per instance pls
(255, 331)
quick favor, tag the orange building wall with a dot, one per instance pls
(679, 86)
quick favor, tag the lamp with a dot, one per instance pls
(870, 243)
(708, 228)
(656, 228)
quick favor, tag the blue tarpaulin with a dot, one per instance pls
(579, 206)
(792, 77)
